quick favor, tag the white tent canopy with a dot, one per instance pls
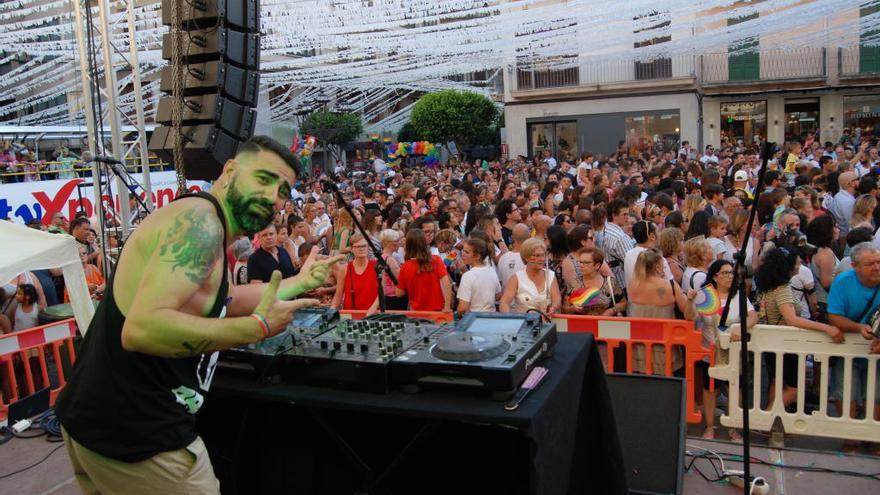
(27, 249)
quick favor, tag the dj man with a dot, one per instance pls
(144, 368)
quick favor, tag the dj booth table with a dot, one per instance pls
(287, 438)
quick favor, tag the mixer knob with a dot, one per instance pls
(323, 344)
(349, 347)
(337, 346)
(365, 348)
(426, 339)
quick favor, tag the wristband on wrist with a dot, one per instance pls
(264, 325)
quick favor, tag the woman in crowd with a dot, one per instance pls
(342, 230)
(28, 310)
(479, 288)
(373, 225)
(390, 240)
(565, 221)
(283, 241)
(721, 277)
(423, 277)
(558, 255)
(863, 212)
(698, 255)
(650, 295)
(356, 286)
(822, 233)
(535, 286)
(610, 300)
(670, 244)
(777, 305)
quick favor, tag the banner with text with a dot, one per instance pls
(25, 201)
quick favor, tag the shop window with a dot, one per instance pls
(744, 121)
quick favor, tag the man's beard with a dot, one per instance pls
(244, 214)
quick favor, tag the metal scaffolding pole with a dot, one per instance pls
(139, 107)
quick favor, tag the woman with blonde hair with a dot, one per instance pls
(670, 244)
(342, 229)
(863, 212)
(533, 287)
(698, 256)
(650, 295)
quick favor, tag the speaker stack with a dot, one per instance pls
(220, 44)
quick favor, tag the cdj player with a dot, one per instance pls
(488, 351)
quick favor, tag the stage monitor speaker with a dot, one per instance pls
(241, 85)
(242, 14)
(203, 45)
(205, 151)
(650, 416)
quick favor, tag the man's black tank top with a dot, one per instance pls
(128, 405)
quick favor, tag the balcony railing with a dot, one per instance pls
(766, 65)
(710, 69)
(858, 61)
(604, 73)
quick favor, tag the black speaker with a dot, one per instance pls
(204, 45)
(206, 148)
(650, 416)
(242, 14)
(220, 43)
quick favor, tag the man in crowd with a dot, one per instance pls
(617, 241)
(844, 200)
(269, 258)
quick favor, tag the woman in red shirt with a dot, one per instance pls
(423, 277)
(356, 285)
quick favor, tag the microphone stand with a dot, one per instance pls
(131, 183)
(381, 265)
(740, 270)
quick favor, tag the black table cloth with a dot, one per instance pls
(289, 438)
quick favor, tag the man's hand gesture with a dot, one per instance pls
(279, 312)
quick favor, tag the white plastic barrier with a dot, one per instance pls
(781, 340)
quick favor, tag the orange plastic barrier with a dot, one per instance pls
(435, 316)
(650, 333)
(27, 345)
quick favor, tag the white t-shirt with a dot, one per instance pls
(719, 247)
(804, 278)
(508, 264)
(586, 167)
(692, 274)
(629, 264)
(478, 287)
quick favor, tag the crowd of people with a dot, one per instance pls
(644, 232)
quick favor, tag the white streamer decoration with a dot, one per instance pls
(376, 57)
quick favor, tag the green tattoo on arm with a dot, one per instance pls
(194, 349)
(192, 245)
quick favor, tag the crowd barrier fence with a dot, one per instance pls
(651, 333)
(34, 346)
(780, 341)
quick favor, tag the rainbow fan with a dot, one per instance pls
(584, 297)
(707, 302)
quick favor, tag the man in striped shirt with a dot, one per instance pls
(617, 242)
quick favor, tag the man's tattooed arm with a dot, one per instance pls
(193, 245)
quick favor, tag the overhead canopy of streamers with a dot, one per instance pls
(375, 57)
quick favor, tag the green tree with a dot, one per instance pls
(408, 134)
(333, 131)
(461, 117)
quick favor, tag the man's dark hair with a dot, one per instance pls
(265, 143)
(867, 184)
(502, 209)
(770, 176)
(825, 159)
(615, 206)
(76, 223)
(713, 190)
(663, 200)
(292, 221)
(859, 235)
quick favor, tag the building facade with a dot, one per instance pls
(748, 92)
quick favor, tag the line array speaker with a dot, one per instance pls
(220, 45)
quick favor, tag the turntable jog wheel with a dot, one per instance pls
(465, 346)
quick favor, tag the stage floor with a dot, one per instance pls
(55, 476)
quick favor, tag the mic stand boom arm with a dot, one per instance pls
(381, 265)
